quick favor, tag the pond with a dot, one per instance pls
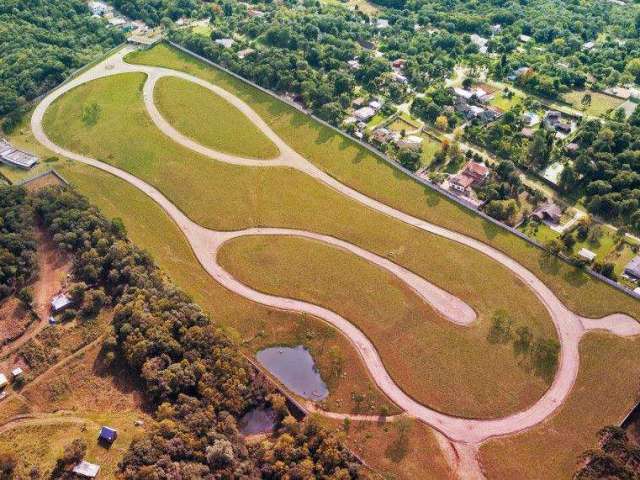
(259, 420)
(295, 368)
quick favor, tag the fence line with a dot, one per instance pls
(394, 164)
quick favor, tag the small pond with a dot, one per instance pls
(258, 420)
(295, 368)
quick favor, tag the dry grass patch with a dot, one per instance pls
(606, 389)
(402, 450)
(185, 104)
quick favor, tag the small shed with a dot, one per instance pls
(60, 302)
(86, 469)
(586, 254)
(108, 435)
(3, 380)
(633, 268)
(16, 373)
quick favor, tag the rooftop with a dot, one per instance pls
(86, 469)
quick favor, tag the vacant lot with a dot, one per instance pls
(606, 389)
(440, 364)
(600, 103)
(226, 196)
(210, 120)
(357, 167)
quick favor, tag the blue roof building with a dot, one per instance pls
(108, 435)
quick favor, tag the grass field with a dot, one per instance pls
(185, 104)
(42, 445)
(600, 103)
(604, 392)
(362, 170)
(404, 450)
(425, 354)
(225, 196)
(250, 324)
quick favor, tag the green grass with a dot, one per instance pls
(355, 166)
(226, 196)
(204, 30)
(185, 105)
(252, 325)
(503, 103)
(606, 389)
(538, 231)
(427, 355)
(600, 103)
(429, 149)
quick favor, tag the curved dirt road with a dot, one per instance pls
(205, 243)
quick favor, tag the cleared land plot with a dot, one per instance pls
(250, 324)
(600, 103)
(210, 120)
(360, 169)
(41, 442)
(424, 353)
(402, 450)
(226, 196)
(606, 389)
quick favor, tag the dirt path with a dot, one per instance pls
(52, 271)
(205, 243)
(36, 419)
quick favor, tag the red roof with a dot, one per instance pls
(476, 169)
(465, 181)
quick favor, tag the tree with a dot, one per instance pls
(409, 159)
(586, 101)
(442, 123)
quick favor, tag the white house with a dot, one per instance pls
(364, 114)
(382, 23)
(410, 142)
(586, 254)
(60, 302)
(16, 373)
(480, 42)
(524, 38)
(3, 380)
(225, 42)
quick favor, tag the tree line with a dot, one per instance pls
(192, 372)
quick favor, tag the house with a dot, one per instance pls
(527, 133)
(382, 23)
(572, 149)
(519, 72)
(588, 45)
(410, 142)
(586, 254)
(245, 53)
(548, 211)
(98, 9)
(367, 44)
(633, 268)
(349, 120)
(463, 93)
(375, 104)
(399, 63)
(16, 158)
(398, 77)
(108, 435)
(86, 469)
(524, 38)
(118, 22)
(353, 64)
(530, 118)
(16, 373)
(563, 128)
(364, 114)
(497, 28)
(384, 135)
(461, 183)
(358, 102)
(225, 42)
(252, 12)
(490, 114)
(3, 380)
(60, 302)
(480, 42)
(477, 171)
(551, 119)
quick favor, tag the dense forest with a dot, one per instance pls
(41, 43)
(193, 374)
(18, 261)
